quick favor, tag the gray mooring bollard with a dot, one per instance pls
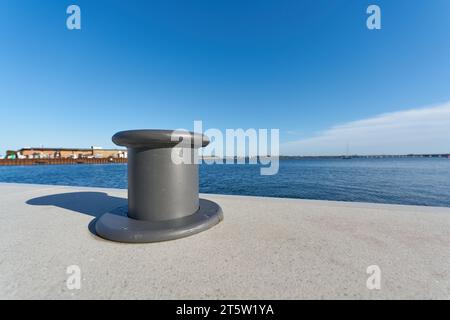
(163, 200)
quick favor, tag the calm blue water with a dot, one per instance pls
(400, 181)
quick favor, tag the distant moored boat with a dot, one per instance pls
(347, 156)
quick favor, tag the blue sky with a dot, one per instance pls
(305, 67)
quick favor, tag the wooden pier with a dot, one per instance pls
(60, 161)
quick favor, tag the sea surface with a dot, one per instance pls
(413, 181)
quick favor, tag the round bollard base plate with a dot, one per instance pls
(117, 226)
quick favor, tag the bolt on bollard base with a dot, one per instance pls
(163, 200)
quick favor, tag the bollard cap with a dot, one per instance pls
(156, 138)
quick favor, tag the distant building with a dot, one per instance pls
(69, 153)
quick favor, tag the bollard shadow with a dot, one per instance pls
(94, 204)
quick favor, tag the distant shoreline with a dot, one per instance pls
(375, 156)
(70, 161)
(443, 155)
(61, 161)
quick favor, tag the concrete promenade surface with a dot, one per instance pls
(266, 248)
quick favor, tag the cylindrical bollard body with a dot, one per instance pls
(158, 188)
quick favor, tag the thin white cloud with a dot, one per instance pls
(423, 130)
